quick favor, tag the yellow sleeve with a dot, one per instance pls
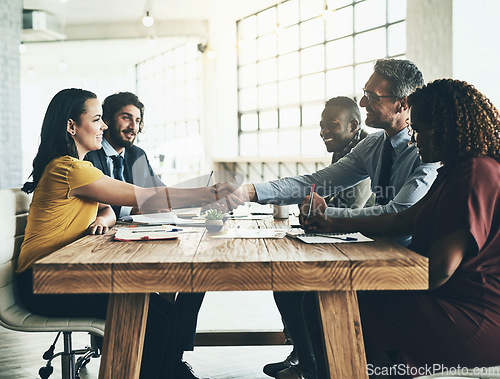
(82, 173)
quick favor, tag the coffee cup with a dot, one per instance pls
(280, 211)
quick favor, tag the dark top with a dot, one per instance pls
(136, 168)
(466, 196)
(457, 323)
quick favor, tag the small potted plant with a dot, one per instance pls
(214, 220)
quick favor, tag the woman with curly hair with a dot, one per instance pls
(456, 323)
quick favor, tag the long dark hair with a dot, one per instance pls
(55, 141)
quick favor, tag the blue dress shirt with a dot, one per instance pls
(410, 178)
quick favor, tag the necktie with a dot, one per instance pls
(385, 173)
(118, 167)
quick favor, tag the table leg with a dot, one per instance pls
(124, 336)
(344, 348)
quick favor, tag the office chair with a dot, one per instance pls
(14, 316)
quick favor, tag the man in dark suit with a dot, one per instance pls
(121, 159)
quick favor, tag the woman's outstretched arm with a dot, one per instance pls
(110, 191)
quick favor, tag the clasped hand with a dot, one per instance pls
(228, 196)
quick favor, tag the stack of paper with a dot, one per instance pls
(152, 218)
(251, 233)
(146, 233)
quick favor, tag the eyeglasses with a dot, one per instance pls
(374, 97)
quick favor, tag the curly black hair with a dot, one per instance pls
(464, 121)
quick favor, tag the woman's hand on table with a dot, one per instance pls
(97, 227)
(319, 223)
(104, 220)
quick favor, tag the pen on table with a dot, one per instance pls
(144, 228)
(156, 230)
(346, 238)
(310, 200)
(210, 177)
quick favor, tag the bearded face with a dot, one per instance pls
(124, 127)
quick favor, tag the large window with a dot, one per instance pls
(169, 87)
(294, 56)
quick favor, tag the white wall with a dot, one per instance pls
(456, 39)
(429, 37)
(476, 45)
(221, 91)
(103, 67)
(445, 38)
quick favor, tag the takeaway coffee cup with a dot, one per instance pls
(280, 211)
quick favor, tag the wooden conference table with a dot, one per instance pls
(195, 262)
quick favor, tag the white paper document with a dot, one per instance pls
(251, 233)
(249, 217)
(146, 233)
(152, 218)
(329, 237)
(166, 218)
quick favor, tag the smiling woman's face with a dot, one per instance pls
(425, 137)
(87, 132)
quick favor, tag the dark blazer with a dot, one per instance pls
(136, 168)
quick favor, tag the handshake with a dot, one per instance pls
(227, 196)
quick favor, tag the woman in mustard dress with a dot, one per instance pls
(70, 199)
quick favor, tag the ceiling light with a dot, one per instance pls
(148, 21)
(22, 48)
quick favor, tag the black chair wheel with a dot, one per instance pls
(45, 372)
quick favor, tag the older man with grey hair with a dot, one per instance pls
(399, 179)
